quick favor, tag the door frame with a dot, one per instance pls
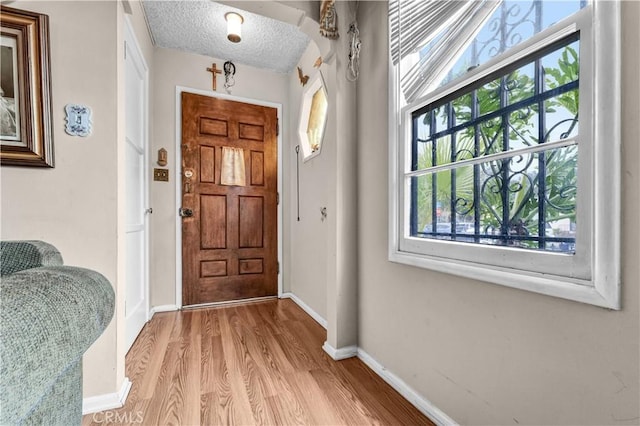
(178, 179)
(131, 39)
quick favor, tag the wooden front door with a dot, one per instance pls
(229, 232)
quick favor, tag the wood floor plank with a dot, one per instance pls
(315, 400)
(259, 385)
(209, 409)
(274, 356)
(155, 354)
(288, 410)
(370, 393)
(269, 317)
(294, 348)
(393, 407)
(258, 363)
(166, 400)
(210, 322)
(242, 412)
(216, 407)
(346, 405)
(188, 375)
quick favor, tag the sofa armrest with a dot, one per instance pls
(49, 317)
(20, 255)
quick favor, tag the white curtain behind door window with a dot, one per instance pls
(233, 170)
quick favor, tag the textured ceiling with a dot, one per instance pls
(199, 27)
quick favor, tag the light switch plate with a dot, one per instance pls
(161, 175)
(78, 120)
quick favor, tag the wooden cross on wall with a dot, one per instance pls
(214, 70)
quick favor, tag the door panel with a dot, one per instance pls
(249, 219)
(213, 222)
(257, 168)
(229, 244)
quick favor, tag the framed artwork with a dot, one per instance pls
(26, 137)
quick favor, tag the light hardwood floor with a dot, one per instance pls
(256, 363)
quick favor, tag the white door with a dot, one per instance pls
(137, 270)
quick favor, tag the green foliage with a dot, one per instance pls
(463, 178)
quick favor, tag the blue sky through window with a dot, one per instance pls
(513, 22)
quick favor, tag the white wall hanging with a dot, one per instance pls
(78, 120)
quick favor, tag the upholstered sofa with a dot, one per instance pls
(49, 316)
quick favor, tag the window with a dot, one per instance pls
(313, 117)
(497, 163)
(500, 161)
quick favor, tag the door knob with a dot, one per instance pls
(185, 212)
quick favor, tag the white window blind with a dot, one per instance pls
(414, 23)
(432, 67)
(451, 25)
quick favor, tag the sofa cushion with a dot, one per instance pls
(49, 318)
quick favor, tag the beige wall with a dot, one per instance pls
(482, 353)
(176, 68)
(343, 280)
(73, 206)
(323, 270)
(306, 275)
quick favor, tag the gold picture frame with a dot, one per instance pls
(26, 137)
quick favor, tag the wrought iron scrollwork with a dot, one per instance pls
(510, 27)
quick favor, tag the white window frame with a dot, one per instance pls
(592, 275)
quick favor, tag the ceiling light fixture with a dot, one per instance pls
(234, 26)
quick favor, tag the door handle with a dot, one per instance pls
(185, 212)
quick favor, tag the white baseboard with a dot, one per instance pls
(162, 308)
(107, 401)
(313, 314)
(340, 353)
(421, 403)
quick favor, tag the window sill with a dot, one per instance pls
(584, 291)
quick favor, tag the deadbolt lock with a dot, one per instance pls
(185, 212)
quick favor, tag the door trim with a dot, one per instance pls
(178, 179)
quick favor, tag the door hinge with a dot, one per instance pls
(278, 267)
(278, 198)
(277, 127)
